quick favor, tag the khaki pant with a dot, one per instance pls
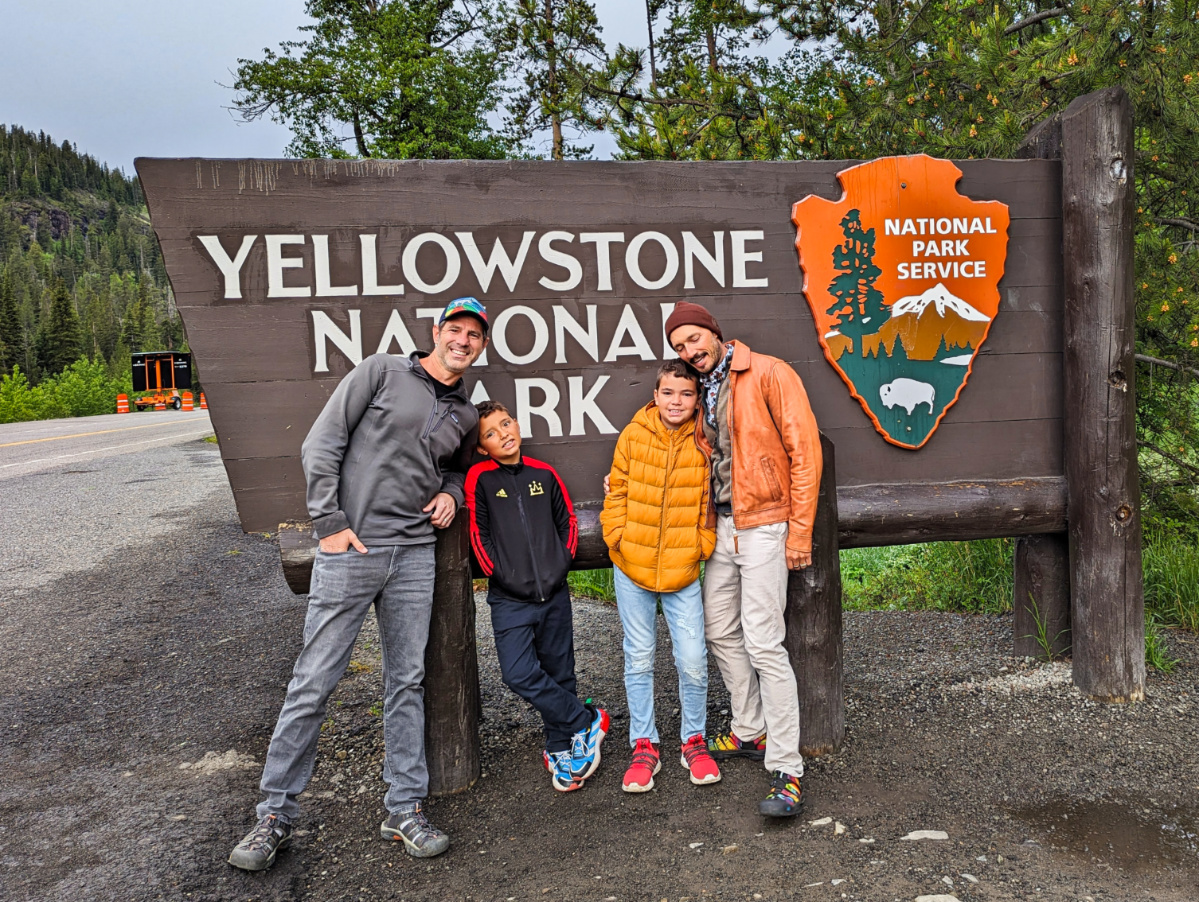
(745, 593)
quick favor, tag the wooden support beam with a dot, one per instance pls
(1041, 564)
(452, 668)
(868, 516)
(813, 619)
(1041, 597)
(1098, 210)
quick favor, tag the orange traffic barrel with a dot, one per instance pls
(122, 404)
(189, 402)
(203, 402)
(158, 405)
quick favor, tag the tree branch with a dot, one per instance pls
(1181, 223)
(1157, 361)
(1034, 19)
(1168, 456)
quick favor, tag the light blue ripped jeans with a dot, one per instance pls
(684, 613)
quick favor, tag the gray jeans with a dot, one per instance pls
(398, 580)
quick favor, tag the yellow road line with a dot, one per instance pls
(59, 438)
(149, 441)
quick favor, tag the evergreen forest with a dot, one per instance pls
(82, 282)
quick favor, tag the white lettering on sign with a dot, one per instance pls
(958, 225)
(230, 267)
(556, 265)
(743, 257)
(588, 338)
(276, 263)
(370, 270)
(499, 335)
(526, 409)
(484, 271)
(327, 331)
(453, 263)
(320, 262)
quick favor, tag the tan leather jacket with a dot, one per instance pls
(776, 447)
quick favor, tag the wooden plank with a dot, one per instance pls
(867, 516)
(1041, 597)
(1108, 611)
(813, 619)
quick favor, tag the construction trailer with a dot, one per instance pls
(159, 377)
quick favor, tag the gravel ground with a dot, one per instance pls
(139, 693)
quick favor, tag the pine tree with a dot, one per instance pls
(59, 340)
(12, 338)
(558, 45)
(859, 306)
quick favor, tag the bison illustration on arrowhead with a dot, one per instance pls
(902, 277)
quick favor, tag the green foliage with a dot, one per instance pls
(597, 584)
(1157, 654)
(84, 388)
(557, 47)
(399, 79)
(80, 270)
(19, 402)
(973, 577)
(1170, 559)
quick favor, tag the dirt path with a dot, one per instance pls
(116, 676)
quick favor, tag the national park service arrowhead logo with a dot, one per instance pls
(902, 275)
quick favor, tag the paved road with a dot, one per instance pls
(96, 485)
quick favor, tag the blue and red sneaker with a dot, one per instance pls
(585, 747)
(558, 764)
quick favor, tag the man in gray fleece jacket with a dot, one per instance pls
(380, 463)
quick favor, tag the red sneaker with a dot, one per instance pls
(640, 775)
(696, 759)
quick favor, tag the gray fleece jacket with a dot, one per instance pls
(383, 447)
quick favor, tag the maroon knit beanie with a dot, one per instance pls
(687, 314)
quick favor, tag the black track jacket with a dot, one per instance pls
(522, 527)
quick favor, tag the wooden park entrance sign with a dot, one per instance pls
(911, 275)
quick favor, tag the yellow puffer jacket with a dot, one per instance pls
(656, 520)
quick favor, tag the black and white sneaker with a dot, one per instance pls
(421, 839)
(256, 852)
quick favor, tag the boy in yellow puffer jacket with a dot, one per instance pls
(658, 525)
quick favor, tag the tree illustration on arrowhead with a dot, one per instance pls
(859, 306)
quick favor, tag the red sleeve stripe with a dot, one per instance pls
(476, 541)
(572, 541)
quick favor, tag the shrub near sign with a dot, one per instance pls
(902, 275)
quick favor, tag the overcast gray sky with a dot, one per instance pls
(143, 77)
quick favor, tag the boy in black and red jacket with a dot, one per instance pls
(524, 535)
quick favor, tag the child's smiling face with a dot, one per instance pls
(499, 437)
(677, 398)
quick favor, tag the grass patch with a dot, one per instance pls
(597, 584)
(211, 439)
(1170, 560)
(968, 577)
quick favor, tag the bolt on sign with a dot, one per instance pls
(902, 277)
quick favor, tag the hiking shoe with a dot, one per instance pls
(421, 839)
(257, 851)
(729, 745)
(696, 759)
(585, 747)
(640, 775)
(558, 764)
(785, 797)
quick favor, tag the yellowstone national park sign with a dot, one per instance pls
(288, 273)
(902, 276)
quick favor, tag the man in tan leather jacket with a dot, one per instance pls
(764, 446)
